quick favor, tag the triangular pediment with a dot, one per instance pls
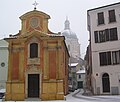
(34, 12)
(34, 20)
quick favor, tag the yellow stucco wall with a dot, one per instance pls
(15, 91)
(52, 91)
(53, 88)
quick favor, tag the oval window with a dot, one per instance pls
(2, 64)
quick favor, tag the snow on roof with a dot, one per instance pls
(2, 90)
(80, 72)
(73, 64)
(3, 43)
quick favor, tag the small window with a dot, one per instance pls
(2, 64)
(105, 58)
(107, 34)
(113, 34)
(33, 50)
(79, 76)
(102, 36)
(100, 18)
(116, 57)
(112, 17)
(96, 36)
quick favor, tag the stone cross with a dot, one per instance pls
(35, 4)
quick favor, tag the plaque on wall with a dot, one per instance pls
(34, 22)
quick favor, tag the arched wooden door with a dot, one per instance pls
(105, 83)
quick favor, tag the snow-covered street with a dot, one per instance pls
(78, 97)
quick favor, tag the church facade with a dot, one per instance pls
(38, 61)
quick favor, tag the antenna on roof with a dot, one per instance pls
(35, 4)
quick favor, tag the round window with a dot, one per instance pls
(2, 64)
(34, 22)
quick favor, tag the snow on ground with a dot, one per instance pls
(102, 98)
(78, 97)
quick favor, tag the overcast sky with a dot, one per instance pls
(75, 10)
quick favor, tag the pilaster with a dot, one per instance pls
(21, 63)
(10, 62)
(46, 69)
(59, 60)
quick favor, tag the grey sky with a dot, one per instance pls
(76, 10)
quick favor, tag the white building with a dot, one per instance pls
(73, 76)
(80, 77)
(104, 30)
(73, 46)
(71, 40)
(3, 63)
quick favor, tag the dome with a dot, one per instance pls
(67, 32)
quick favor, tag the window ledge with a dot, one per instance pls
(33, 61)
(112, 22)
(101, 24)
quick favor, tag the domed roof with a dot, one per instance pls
(67, 32)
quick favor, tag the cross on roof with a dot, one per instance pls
(35, 4)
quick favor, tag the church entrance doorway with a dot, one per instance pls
(105, 82)
(33, 85)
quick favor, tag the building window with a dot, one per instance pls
(112, 17)
(105, 58)
(74, 75)
(105, 35)
(116, 57)
(100, 18)
(109, 58)
(33, 50)
(102, 36)
(96, 37)
(113, 34)
(79, 76)
(2, 64)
